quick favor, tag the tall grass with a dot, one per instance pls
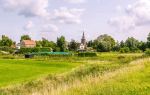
(130, 80)
(81, 80)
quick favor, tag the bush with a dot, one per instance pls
(124, 50)
(32, 50)
(7, 49)
(87, 54)
(147, 52)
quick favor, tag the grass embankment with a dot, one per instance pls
(133, 79)
(69, 82)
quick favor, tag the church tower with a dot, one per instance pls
(83, 40)
(83, 45)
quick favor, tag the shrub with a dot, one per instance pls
(31, 50)
(147, 52)
(87, 54)
(124, 50)
(7, 49)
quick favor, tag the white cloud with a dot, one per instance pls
(27, 8)
(28, 25)
(137, 14)
(75, 1)
(68, 16)
(49, 28)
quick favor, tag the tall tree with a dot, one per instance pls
(90, 44)
(25, 37)
(73, 45)
(122, 44)
(132, 43)
(105, 43)
(6, 41)
(142, 46)
(61, 43)
(148, 41)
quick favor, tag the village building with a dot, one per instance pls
(28, 44)
(83, 44)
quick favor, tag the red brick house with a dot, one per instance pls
(28, 44)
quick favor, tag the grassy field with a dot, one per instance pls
(16, 71)
(107, 74)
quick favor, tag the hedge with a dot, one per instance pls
(87, 54)
(31, 50)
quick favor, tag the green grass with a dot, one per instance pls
(106, 74)
(131, 80)
(16, 71)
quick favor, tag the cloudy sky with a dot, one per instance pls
(52, 18)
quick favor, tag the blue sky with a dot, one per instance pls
(53, 18)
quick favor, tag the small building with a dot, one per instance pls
(18, 46)
(28, 44)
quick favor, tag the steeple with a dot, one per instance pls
(83, 40)
(83, 37)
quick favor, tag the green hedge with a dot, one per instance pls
(87, 54)
(31, 50)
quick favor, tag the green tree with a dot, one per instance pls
(25, 37)
(132, 44)
(104, 43)
(103, 47)
(148, 41)
(122, 44)
(90, 44)
(46, 43)
(6, 41)
(61, 43)
(73, 45)
(116, 47)
(142, 46)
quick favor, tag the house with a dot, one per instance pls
(28, 43)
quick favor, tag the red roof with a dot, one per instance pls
(29, 42)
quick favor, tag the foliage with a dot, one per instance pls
(7, 49)
(124, 50)
(103, 47)
(6, 41)
(73, 45)
(147, 52)
(148, 41)
(61, 43)
(31, 50)
(105, 43)
(25, 37)
(132, 44)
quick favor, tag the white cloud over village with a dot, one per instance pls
(27, 8)
(40, 9)
(64, 16)
(28, 25)
(135, 15)
(68, 16)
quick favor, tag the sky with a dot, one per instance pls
(52, 18)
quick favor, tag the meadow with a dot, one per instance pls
(106, 74)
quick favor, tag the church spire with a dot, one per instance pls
(83, 37)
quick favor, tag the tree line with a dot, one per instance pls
(103, 43)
